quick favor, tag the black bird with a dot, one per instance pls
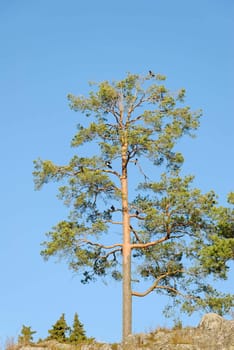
(108, 164)
(137, 212)
(151, 74)
(135, 162)
(112, 208)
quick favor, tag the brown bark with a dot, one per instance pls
(127, 291)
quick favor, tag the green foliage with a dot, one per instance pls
(231, 197)
(62, 333)
(77, 334)
(177, 324)
(59, 330)
(26, 336)
(180, 237)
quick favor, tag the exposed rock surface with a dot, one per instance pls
(212, 333)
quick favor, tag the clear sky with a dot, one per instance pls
(50, 48)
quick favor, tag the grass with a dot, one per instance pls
(181, 338)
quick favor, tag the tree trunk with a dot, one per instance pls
(127, 291)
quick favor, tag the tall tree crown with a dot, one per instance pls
(127, 140)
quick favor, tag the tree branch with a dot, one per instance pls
(113, 222)
(112, 252)
(136, 216)
(149, 244)
(156, 286)
(113, 172)
(132, 121)
(140, 168)
(100, 245)
(135, 233)
(133, 107)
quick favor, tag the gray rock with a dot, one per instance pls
(211, 322)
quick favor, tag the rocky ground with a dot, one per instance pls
(213, 333)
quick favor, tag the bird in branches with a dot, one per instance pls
(112, 208)
(108, 164)
(151, 74)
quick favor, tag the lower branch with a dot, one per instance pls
(155, 285)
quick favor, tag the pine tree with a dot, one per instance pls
(129, 176)
(77, 332)
(59, 330)
(26, 336)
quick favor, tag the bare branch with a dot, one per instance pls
(112, 252)
(156, 286)
(115, 114)
(86, 241)
(132, 121)
(149, 244)
(140, 168)
(133, 107)
(136, 216)
(135, 233)
(113, 172)
(113, 222)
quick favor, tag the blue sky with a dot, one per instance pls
(50, 48)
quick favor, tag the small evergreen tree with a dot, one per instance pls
(26, 336)
(59, 330)
(77, 333)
